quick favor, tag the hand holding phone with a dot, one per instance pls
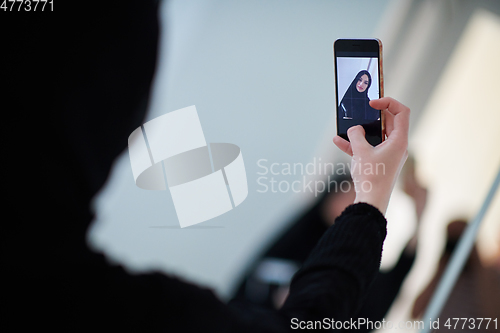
(358, 79)
(374, 170)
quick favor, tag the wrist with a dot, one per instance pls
(376, 197)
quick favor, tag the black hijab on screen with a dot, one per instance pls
(356, 103)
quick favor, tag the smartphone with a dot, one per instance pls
(359, 79)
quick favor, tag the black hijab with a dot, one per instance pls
(355, 104)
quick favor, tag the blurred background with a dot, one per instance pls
(261, 76)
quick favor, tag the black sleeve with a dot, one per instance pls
(335, 278)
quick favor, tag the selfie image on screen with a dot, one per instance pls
(357, 85)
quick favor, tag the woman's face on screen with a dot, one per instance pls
(362, 83)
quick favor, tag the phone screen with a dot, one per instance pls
(357, 82)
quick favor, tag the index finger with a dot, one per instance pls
(401, 116)
(390, 104)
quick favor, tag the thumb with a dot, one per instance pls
(356, 135)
